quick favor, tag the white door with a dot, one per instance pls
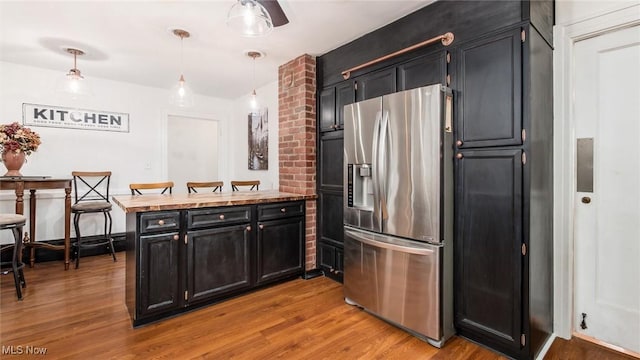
(607, 229)
(192, 148)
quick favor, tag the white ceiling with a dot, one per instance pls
(131, 40)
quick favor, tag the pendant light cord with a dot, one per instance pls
(182, 55)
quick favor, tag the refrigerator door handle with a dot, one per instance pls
(375, 173)
(382, 164)
(370, 240)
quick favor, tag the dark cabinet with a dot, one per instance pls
(500, 70)
(331, 233)
(159, 258)
(330, 161)
(331, 217)
(426, 70)
(504, 232)
(280, 239)
(327, 109)
(489, 96)
(280, 252)
(376, 84)
(331, 104)
(218, 261)
(184, 259)
(331, 261)
(345, 95)
(489, 242)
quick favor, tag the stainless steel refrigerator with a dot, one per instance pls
(398, 209)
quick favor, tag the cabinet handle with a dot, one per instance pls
(161, 222)
(261, 226)
(459, 155)
(221, 216)
(176, 237)
(249, 228)
(459, 142)
(283, 210)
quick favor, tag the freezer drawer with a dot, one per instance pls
(396, 279)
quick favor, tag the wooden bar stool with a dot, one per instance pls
(15, 222)
(215, 185)
(255, 184)
(165, 186)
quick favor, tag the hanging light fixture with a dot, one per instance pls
(249, 18)
(73, 83)
(253, 101)
(181, 94)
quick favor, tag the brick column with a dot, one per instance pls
(297, 138)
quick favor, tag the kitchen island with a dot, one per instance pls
(185, 251)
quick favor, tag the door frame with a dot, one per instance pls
(564, 168)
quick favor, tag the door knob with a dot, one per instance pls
(586, 199)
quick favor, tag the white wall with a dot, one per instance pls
(137, 156)
(573, 11)
(238, 128)
(575, 19)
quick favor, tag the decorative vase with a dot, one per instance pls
(13, 161)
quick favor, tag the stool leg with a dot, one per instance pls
(76, 219)
(14, 261)
(108, 235)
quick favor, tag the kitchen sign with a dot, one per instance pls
(73, 118)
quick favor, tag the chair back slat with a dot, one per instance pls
(192, 186)
(255, 184)
(91, 185)
(165, 186)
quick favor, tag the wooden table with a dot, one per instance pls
(33, 183)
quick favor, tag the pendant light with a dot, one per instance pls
(181, 94)
(253, 101)
(73, 83)
(249, 18)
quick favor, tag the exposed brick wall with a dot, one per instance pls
(297, 138)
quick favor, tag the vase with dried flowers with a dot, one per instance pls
(16, 142)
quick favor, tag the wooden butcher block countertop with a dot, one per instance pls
(157, 202)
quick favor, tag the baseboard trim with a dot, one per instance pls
(44, 254)
(606, 345)
(546, 347)
(313, 273)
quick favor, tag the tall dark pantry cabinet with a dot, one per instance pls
(500, 70)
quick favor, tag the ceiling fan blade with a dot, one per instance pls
(275, 11)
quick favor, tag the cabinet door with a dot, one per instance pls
(159, 273)
(345, 95)
(331, 261)
(218, 261)
(331, 160)
(280, 248)
(376, 84)
(331, 218)
(327, 109)
(490, 87)
(425, 70)
(487, 257)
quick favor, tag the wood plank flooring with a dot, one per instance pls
(80, 314)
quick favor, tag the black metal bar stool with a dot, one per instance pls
(91, 190)
(15, 222)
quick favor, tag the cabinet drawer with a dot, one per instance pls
(280, 210)
(159, 221)
(218, 216)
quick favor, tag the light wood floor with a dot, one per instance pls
(80, 314)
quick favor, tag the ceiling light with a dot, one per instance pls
(253, 101)
(249, 18)
(181, 94)
(73, 82)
